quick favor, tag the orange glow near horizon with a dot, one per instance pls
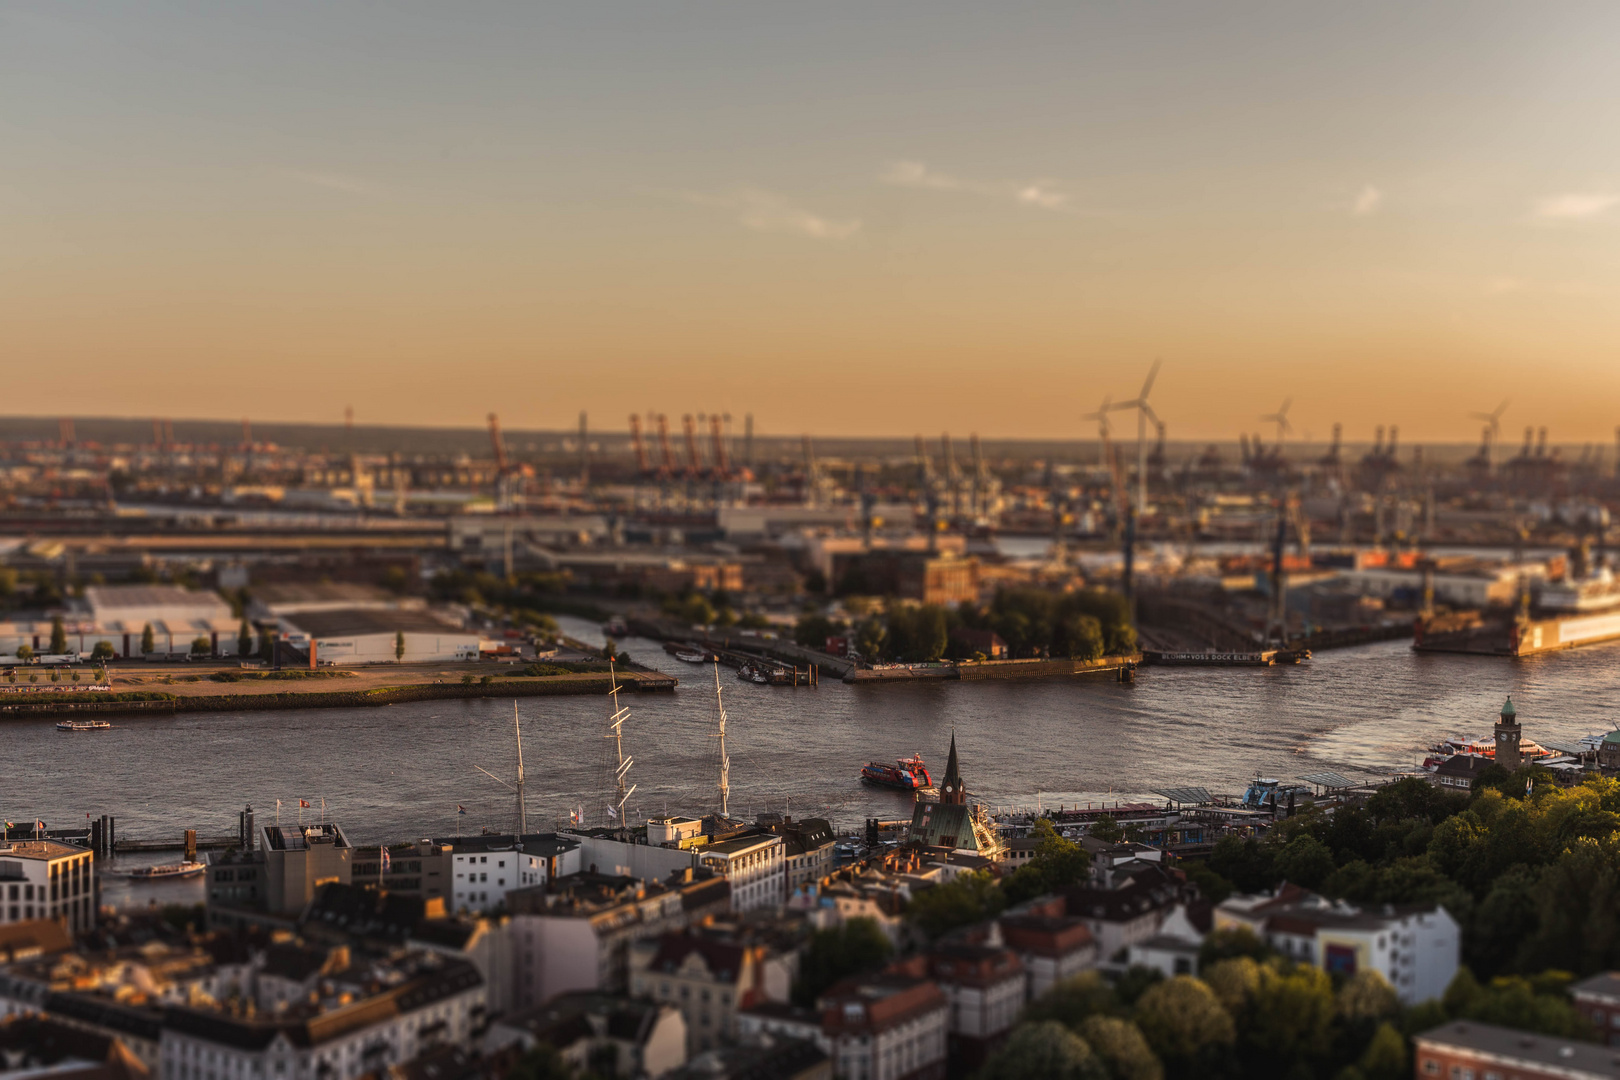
(859, 223)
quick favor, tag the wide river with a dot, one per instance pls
(400, 772)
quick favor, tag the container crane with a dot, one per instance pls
(667, 466)
(722, 467)
(641, 447)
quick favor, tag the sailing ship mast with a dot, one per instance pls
(622, 764)
(522, 804)
(725, 761)
(523, 809)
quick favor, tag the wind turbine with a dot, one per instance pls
(1280, 418)
(1493, 422)
(1144, 412)
(1101, 416)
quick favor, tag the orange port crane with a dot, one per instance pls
(693, 465)
(668, 465)
(641, 447)
(722, 468)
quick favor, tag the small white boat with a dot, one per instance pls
(168, 871)
(691, 657)
(83, 725)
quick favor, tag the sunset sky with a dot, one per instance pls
(843, 218)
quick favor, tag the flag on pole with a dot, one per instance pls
(612, 813)
(387, 861)
(460, 809)
(303, 804)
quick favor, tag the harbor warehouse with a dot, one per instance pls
(371, 636)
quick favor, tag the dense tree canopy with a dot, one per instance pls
(1530, 870)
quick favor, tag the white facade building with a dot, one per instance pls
(372, 636)
(119, 616)
(755, 865)
(483, 869)
(333, 1040)
(1416, 947)
(45, 879)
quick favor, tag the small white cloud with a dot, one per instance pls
(915, 174)
(1042, 194)
(332, 181)
(1368, 200)
(1047, 198)
(765, 211)
(1576, 205)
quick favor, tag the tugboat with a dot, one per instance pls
(168, 871)
(906, 774)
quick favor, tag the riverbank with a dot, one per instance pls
(199, 697)
(977, 670)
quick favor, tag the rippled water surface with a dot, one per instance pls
(399, 772)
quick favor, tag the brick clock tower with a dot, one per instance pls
(1507, 738)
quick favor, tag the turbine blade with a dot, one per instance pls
(1147, 387)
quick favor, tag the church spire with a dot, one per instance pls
(952, 792)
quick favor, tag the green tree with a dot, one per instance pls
(1245, 862)
(102, 650)
(1044, 1050)
(1385, 1057)
(812, 630)
(399, 646)
(1120, 1046)
(1057, 862)
(968, 898)
(1289, 1025)
(467, 679)
(58, 636)
(1107, 830)
(1305, 861)
(201, 646)
(697, 610)
(1234, 981)
(1083, 636)
(1505, 924)
(1367, 996)
(871, 637)
(244, 639)
(837, 953)
(25, 652)
(1074, 999)
(1184, 1022)
(541, 1063)
(1513, 1001)
(148, 639)
(1578, 910)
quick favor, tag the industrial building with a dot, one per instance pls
(119, 615)
(372, 636)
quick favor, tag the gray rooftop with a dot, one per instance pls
(355, 621)
(1569, 1057)
(1606, 985)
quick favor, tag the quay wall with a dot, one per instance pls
(136, 702)
(976, 670)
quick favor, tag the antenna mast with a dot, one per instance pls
(725, 761)
(622, 764)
